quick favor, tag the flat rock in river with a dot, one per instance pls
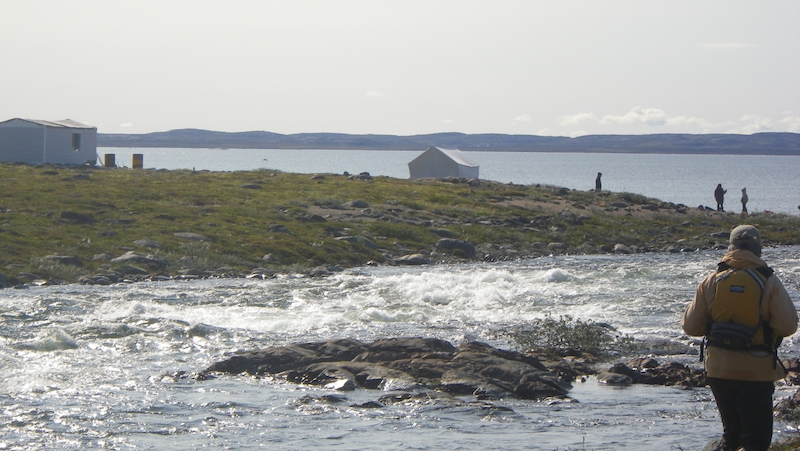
(403, 363)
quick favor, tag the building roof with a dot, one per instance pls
(66, 123)
(457, 156)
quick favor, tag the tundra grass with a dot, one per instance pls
(96, 214)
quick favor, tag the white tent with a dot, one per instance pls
(36, 141)
(440, 163)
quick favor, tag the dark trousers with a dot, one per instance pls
(746, 411)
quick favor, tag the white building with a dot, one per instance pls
(37, 142)
(440, 163)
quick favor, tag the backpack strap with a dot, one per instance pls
(765, 271)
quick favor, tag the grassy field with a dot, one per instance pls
(63, 223)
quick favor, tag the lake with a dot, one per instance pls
(772, 182)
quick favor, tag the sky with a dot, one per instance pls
(410, 67)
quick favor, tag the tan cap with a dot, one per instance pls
(745, 234)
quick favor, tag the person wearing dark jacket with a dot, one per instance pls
(719, 195)
(741, 378)
(744, 200)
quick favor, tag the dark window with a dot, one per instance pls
(76, 142)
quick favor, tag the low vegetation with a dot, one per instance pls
(65, 223)
(565, 334)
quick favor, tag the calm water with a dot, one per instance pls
(89, 367)
(772, 182)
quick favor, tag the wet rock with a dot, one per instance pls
(789, 409)
(403, 364)
(649, 371)
(714, 445)
(614, 379)
(324, 271)
(99, 279)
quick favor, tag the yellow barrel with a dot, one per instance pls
(110, 160)
(138, 161)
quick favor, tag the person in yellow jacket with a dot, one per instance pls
(742, 379)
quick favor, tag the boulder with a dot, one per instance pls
(359, 240)
(131, 257)
(65, 260)
(622, 249)
(450, 245)
(357, 204)
(444, 233)
(191, 236)
(412, 259)
(279, 228)
(77, 218)
(153, 244)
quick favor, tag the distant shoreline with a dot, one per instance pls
(711, 144)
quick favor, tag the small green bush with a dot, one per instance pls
(566, 333)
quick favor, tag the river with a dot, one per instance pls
(99, 367)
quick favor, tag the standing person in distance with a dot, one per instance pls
(741, 362)
(719, 196)
(598, 185)
(744, 200)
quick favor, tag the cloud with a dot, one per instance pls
(522, 119)
(126, 125)
(638, 116)
(578, 118)
(727, 45)
(374, 94)
(448, 121)
(678, 121)
(792, 123)
(755, 124)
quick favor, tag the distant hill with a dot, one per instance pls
(755, 144)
